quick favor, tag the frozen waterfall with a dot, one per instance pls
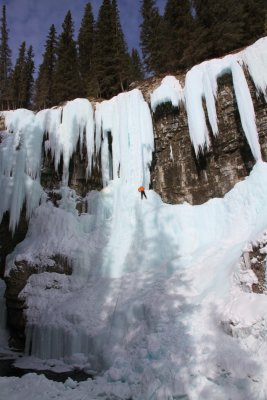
(150, 281)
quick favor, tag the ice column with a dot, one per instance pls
(127, 118)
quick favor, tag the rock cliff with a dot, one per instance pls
(177, 174)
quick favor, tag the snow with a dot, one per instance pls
(159, 302)
(169, 90)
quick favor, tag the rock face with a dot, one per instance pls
(176, 174)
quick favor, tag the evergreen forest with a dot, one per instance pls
(97, 63)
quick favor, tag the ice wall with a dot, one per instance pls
(109, 313)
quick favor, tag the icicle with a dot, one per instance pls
(194, 93)
(171, 153)
(255, 58)
(246, 109)
(90, 139)
(105, 167)
(98, 127)
(210, 93)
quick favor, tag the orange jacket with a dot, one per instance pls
(141, 189)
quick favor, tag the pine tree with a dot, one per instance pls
(265, 24)
(44, 94)
(137, 70)
(151, 37)
(112, 59)
(122, 58)
(5, 62)
(28, 77)
(103, 49)
(178, 27)
(17, 83)
(86, 39)
(254, 14)
(67, 83)
(220, 27)
(22, 78)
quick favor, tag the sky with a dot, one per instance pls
(30, 20)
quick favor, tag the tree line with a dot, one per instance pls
(98, 63)
(191, 31)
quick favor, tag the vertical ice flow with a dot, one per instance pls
(126, 127)
(246, 109)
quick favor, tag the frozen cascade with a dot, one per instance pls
(146, 275)
(127, 118)
(100, 316)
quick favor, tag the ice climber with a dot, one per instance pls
(141, 189)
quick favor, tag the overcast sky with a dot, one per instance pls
(30, 20)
